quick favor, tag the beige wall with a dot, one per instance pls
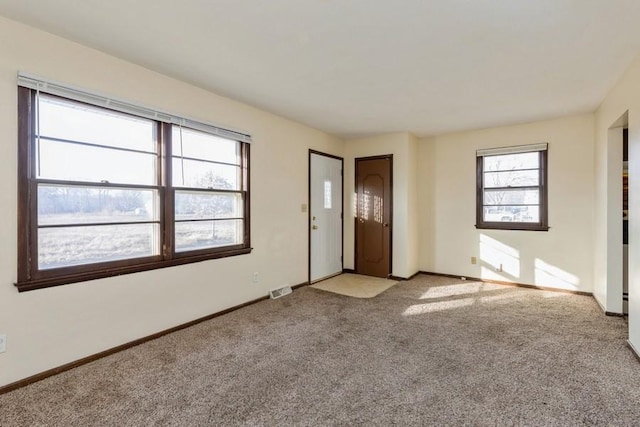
(403, 146)
(412, 265)
(426, 159)
(623, 98)
(561, 257)
(50, 327)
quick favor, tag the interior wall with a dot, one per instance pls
(426, 203)
(623, 98)
(413, 220)
(50, 327)
(403, 146)
(560, 257)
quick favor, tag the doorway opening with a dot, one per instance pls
(617, 213)
(625, 221)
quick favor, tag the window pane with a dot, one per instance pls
(200, 145)
(511, 197)
(58, 205)
(512, 214)
(327, 194)
(208, 234)
(199, 205)
(205, 175)
(72, 162)
(511, 179)
(512, 161)
(82, 123)
(67, 246)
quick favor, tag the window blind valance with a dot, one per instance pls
(512, 150)
(54, 88)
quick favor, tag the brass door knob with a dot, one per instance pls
(314, 227)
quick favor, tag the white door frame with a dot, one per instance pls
(310, 210)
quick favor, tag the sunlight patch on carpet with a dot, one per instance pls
(432, 307)
(355, 285)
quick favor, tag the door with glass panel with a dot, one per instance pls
(325, 216)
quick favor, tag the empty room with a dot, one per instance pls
(320, 212)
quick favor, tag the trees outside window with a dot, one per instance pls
(104, 192)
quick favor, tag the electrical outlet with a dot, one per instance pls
(255, 277)
(3, 343)
(474, 260)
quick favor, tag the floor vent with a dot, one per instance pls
(277, 293)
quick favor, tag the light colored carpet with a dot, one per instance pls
(355, 285)
(431, 351)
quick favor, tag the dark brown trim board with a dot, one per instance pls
(300, 285)
(499, 282)
(320, 153)
(51, 372)
(413, 275)
(612, 314)
(607, 313)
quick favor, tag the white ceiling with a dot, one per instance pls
(360, 67)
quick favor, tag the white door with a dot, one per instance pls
(325, 216)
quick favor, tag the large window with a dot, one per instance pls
(104, 192)
(512, 188)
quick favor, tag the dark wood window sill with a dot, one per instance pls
(512, 226)
(58, 280)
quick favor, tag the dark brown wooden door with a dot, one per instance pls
(373, 216)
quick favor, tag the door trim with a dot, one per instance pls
(320, 153)
(355, 225)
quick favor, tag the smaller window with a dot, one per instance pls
(512, 188)
(209, 197)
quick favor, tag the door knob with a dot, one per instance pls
(361, 220)
(314, 227)
(386, 224)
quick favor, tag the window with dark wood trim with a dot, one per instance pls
(103, 193)
(511, 191)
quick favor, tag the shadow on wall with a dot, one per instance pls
(502, 262)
